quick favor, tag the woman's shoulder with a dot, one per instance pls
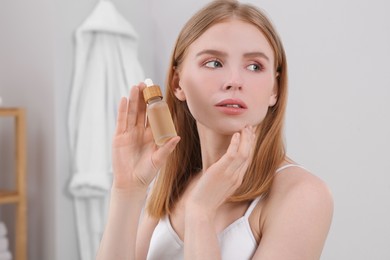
(293, 178)
(295, 187)
(296, 215)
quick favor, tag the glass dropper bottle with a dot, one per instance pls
(158, 114)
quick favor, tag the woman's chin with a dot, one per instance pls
(224, 128)
(231, 130)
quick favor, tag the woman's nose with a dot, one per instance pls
(233, 86)
(234, 81)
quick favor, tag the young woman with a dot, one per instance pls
(224, 188)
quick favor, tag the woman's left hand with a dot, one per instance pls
(223, 178)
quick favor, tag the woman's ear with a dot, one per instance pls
(179, 93)
(274, 95)
(273, 99)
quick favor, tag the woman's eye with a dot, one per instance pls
(254, 67)
(213, 64)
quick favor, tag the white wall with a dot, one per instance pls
(26, 77)
(337, 121)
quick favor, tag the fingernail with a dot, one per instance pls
(176, 141)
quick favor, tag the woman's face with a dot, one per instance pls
(228, 77)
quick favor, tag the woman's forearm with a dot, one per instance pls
(200, 238)
(119, 238)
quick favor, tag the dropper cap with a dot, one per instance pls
(151, 90)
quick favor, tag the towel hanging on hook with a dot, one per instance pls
(106, 65)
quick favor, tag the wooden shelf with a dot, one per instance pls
(18, 196)
(9, 197)
(9, 111)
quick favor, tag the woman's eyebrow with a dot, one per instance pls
(212, 52)
(256, 54)
(224, 54)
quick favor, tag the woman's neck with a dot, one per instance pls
(213, 146)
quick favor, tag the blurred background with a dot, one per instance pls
(338, 120)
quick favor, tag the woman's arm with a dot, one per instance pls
(119, 238)
(136, 160)
(296, 217)
(144, 235)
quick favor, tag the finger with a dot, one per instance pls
(122, 115)
(132, 106)
(161, 155)
(246, 149)
(238, 151)
(231, 160)
(234, 144)
(141, 116)
(246, 142)
(231, 152)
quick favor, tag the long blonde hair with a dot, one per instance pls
(185, 162)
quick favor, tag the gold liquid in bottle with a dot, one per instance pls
(159, 116)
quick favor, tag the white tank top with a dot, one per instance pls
(236, 241)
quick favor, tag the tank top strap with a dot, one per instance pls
(252, 206)
(256, 200)
(288, 166)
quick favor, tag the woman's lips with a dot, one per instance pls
(231, 106)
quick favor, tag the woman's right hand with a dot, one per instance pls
(136, 158)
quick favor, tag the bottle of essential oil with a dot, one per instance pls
(159, 116)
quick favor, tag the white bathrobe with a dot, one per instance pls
(106, 66)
